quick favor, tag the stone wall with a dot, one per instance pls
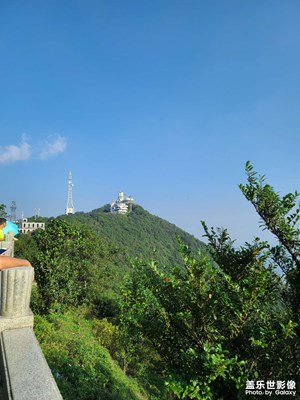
(25, 374)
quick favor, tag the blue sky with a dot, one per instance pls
(164, 100)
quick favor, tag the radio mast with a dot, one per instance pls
(70, 206)
(13, 208)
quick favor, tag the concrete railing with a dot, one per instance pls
(25, 374)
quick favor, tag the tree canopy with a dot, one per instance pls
(187, 321)
(216, 325)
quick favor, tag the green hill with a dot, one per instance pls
(138, 233)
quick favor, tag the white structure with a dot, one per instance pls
(70, 206)
(122, 205)
(28, 227)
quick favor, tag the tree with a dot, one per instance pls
(280, 215)
(204, 324)
(67, 263)
(227, 317)
(2, 210)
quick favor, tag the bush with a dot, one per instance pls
(83, 369)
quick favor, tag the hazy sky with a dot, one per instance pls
(164, 100)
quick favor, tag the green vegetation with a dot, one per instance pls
(118, 320)
(2, 210)
(138, 233)
(83, 368)
(212, 331)
(280, 215)
(73, 266)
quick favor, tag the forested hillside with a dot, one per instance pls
(120, 321)
(138, 233)
(82, 263)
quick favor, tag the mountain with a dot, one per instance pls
(139, 233)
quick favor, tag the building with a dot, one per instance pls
(29, 227)
(122, 205)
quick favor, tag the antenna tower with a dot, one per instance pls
(13, 208)
(37, 213)
(70, 206)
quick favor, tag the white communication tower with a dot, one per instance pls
(70, 206)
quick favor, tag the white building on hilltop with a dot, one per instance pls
(29, 227)
(122, 205)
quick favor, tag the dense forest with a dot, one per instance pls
(138, 233)
(131, 307)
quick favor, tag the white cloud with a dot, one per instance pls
(50, 149)
(24, 151)
(13, 153)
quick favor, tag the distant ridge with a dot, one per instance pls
(140, 233)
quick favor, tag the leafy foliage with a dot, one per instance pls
(26, 247)
(83, 368)
(2, 210)
(139, 233)
(70, 265)
(280, 215)
(204, 324)
(197, 330)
